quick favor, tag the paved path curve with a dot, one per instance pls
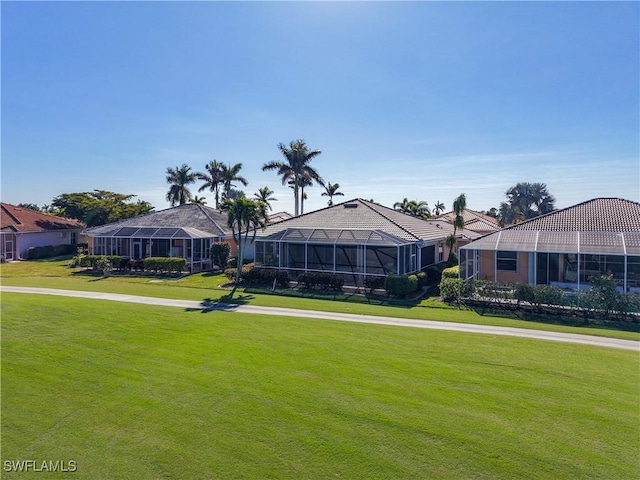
(345, 317)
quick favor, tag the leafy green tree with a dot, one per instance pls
(30, 206)
(265, 195)
(98, 207)
(331, 190)
(244, 217)
(179, 179)
(230, 174)
(438, 208)
(295, 167)
(524, 201)
(212, 179)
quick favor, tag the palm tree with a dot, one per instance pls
(331, 190)
(414, 208)
(459, 204)
(295, 167)
(228, 175)
(212, 179)
(438, 208)
(244, 216)
(199, 200)
(179, 178)
(525, 201)
(264, 195)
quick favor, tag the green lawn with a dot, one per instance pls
(132, 391)
(56, 274)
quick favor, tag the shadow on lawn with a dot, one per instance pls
(226, 303)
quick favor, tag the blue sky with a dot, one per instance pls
(423, 100)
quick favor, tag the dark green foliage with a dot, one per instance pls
(265, 276)
(401, 285)
(322, 280)
(434, 272)
(49, 251)
(524, 292)
(165, 264)
(230, 273)
(220, 254)
(422, 279)
(374, 283)
(99, 207)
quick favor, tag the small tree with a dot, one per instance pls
(220, 254)
(244, 217)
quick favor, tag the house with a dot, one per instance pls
(473, 220)
(185, 231)
(564, 248)
(356, 237)
(22, 228)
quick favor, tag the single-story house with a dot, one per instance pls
(185, 231)
(563, 248)
(23, 228)
(355, 237)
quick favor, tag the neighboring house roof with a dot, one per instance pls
(278, 217)
(360, 214)
(24, 220)
(598, 226)
(197, 220)
(473, 220)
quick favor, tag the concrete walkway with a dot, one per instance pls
(345, 317)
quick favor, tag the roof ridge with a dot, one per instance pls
(389, 219)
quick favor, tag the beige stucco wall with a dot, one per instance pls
(487, 263)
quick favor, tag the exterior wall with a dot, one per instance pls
(25, 241)
(487, 268)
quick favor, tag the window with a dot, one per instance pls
(507, 261)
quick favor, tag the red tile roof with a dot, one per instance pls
(24, 220)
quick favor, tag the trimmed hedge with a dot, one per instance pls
(230, 273)
(401, 285)
(49, 251)
(374, 283)
(323, 280)
(96, 261)
(266, 276)
(165, 264)
(452, 289)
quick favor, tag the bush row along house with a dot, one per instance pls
(564, 248)
(22, 229)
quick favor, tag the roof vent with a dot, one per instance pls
(350, 205)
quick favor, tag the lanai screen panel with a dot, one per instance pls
(144, 233)
(517, 240)
(632, 243)
(602, 243)
(563, 242)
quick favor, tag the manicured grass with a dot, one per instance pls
(55, 274)
(132, 391)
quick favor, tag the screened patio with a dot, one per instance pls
(141, 242)
(349, 251)
(564, 259)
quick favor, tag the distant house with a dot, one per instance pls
(185, 231)
(22, 228)
(474, 221)
(563, 248)
(356, 237)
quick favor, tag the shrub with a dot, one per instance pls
(230, 273)
(451, 272)
(220, 254)
(323, 280)
(374, 283)
(233, 262)
(265, 276)
(165, 264)
(524, 292)
(456, 288)
(422, 279)
(49, 251)
(401, 285)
